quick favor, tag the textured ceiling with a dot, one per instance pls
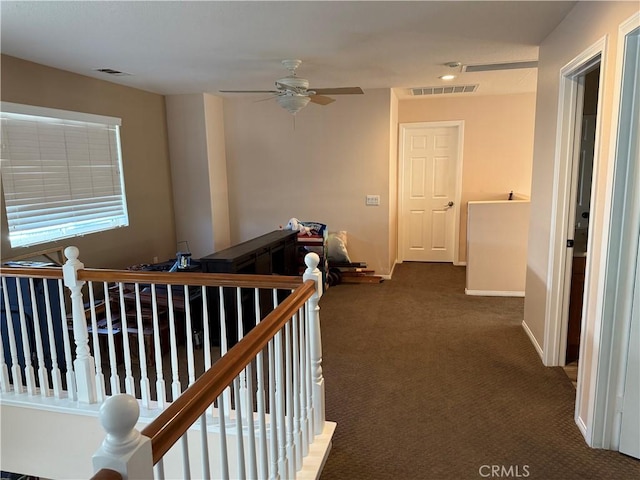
(190, 47)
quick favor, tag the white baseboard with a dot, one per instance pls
(388, 277)
(459, 264)
(533, 339)
(493, 293)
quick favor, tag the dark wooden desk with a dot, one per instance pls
(273, 253)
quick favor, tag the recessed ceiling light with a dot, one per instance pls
(447, 77)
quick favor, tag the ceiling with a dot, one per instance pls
(171, 47)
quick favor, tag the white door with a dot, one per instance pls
(630, 418)
(630, 422)
(428, 193)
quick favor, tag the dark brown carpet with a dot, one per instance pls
(428, 383)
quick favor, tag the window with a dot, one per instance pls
(61, 173)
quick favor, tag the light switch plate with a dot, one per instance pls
(373, 200)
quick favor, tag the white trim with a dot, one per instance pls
(533, 339)
(58, 114)
(460, 264)
(561, 190)
(494, 293)
(404, 127)
(393, 267)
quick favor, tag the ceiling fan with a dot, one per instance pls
(293, 94)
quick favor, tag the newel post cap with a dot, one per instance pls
(312, 260)
(118, 416)
(124, 448)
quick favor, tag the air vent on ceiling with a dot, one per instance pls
(444, 90)
(111, 71)
(489, 67)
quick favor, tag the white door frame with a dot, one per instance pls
(556, 306)
(405, 128)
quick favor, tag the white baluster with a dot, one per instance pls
(158, 470)
(241, 473)
(313, 331)
(72, 391)
(16, 373)
(295, 384)
(129, 381)
(204, 444)
(304, 376)
(84, 365)
(223, 350)
(252, 469)
(280, 407)
(43, 377)
(56, 377)
(243, 374)
(224, 456)
(186, 467)
(124, 449)
(26, 348)
(145, 385)
(113, 358)
(309, 376)
(288, 382)
(161, 391)
(176, 387)
(5, 385)
(273, 417)
(206, 339)
(101, 389)
(189, 333)
(263, 460)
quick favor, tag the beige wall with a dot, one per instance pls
(497, 247)
(586, 24)
(144, 149)
(316, 166)
(198, 168)
(498, 144)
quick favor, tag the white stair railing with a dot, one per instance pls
(275, 402)
(274, 407)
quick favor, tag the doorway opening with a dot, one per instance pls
(578, 226)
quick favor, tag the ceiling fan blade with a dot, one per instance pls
(321, 99)
(338, 91)
(248, 91)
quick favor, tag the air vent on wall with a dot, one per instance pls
(444, 90)
(111, 71)
(489, 67)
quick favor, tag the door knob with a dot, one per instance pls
(450, 204)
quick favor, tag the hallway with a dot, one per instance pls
(428, 383)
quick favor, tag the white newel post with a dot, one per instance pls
(84, 364)
(315, 341)
(124, 449)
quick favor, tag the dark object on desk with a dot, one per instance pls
(272, 253)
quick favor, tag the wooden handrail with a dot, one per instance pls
(164, 278)
(107, 474)
(32, 272)
(173, 422)
(190, 278)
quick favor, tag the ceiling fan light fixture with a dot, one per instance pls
(293, 103)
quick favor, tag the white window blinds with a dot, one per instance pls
(61, 173)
